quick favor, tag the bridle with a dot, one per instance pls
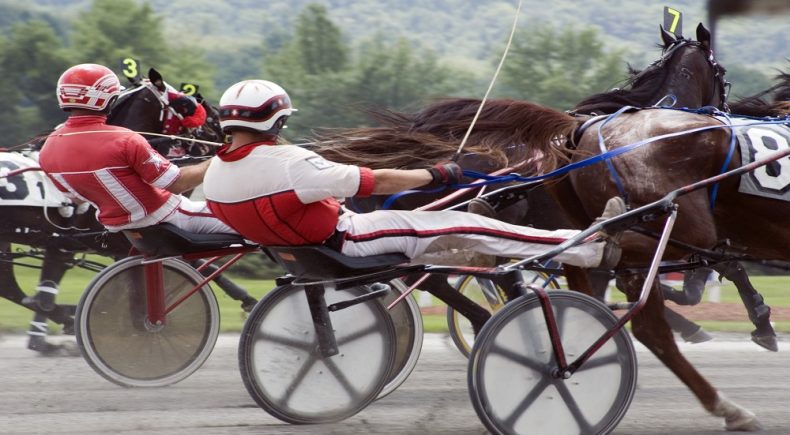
(719, 82)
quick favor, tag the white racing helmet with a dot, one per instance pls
(257, 105)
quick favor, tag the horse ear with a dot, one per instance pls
(667, 37)
(156, 79)
(703, 35)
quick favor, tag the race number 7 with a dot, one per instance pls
(673, 20)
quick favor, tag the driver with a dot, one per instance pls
(114, 168)
(278, 194)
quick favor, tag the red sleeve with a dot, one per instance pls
(197, 119)
(149, 164)
(367, 181)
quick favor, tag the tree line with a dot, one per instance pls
(332, 78)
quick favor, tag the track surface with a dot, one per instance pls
(64, 396)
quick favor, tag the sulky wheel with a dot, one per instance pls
(286, 373)
(512, 379)
(407, 319)
(119, 342)
(489, 296)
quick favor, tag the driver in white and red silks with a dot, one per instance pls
(284, 195)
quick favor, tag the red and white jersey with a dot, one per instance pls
(173, 125)
(281, 195)
(114, 169)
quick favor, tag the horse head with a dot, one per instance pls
(686, 75)
(141, 108)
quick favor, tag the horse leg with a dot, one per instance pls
(10, 289)
(693, 287)
(650, 327)
(229, 287)
(43, 302)
(438, 286)
(759, 312)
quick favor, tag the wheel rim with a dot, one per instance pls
(409, 333)
(287, 376)
(125, 348)
(460, 327)
(510, 374)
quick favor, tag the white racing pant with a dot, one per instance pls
(195, 217)
(416, 233)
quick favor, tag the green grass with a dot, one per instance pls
(15, 318)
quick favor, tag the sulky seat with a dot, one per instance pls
(167, 240)
(321, 262)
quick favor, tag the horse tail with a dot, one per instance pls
(507, 131)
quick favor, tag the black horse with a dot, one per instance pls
(36, 215)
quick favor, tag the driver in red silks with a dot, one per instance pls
(183, 113)
(188, 114)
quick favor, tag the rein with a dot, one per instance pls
(490, 85)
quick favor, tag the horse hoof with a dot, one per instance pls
(248, 304)
(767, 341)
(699, 336)
(45, 348)
(746, 426)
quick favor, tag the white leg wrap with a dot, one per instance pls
(735, 416)
(47, 289)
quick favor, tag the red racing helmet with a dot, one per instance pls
(87, 86)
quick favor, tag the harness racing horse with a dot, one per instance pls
(37, 215)
(662, 150)
(685, 75)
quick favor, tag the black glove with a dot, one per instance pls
(184, 106)
(445, 173)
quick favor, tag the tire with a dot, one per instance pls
(488, 296)
(287, 376)
(409, 333)
(120, 344)
(510, 369)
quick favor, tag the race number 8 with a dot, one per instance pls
(12, 187)
(763, 148)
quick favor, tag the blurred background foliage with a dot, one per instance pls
(338, 58)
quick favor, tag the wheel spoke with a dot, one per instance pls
(533, 395)
(342, 379)
(285, 341)
(372, 329)
(573, 407)
(300, 375)
(523, 360)
(600, 362)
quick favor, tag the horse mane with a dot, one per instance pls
(507, 131)
(756, 105)
(638, 91)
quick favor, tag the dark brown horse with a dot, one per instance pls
(685, 75)
(647, 173)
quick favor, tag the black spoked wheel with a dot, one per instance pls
(512, 380)
(285, 372)
(119, 342)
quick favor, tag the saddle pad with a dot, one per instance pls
(32, 188)
(758, 142)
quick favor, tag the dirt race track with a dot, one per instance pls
(64, 396)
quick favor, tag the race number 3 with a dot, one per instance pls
(12, 187)
(130, 68)
(764, 142)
